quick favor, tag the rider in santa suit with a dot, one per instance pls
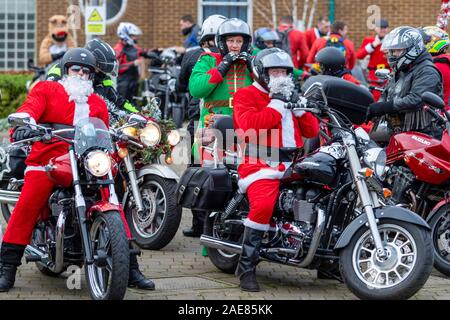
(62, 103)
(261, 119)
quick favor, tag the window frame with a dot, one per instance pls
(247, 3)
(113, 20)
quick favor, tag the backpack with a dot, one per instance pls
(337, 43)
(284, 41)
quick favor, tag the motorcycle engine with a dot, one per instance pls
(400, 179)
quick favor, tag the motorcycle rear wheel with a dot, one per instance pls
(441, 242)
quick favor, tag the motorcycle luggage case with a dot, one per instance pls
(204, 188)
(344, 96)
(16, 162)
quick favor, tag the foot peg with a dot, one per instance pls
(33, 258)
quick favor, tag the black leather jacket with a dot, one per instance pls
(406, 89)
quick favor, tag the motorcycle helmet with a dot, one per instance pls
(270, 58)
(265, 34)
(233, 27)
(331, 60)
(210, 27)
(79, 56)
(105, 56)
(437, 40)
(407, 39)
(126, 29)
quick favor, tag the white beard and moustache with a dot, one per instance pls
(283, 85)
(77, 88)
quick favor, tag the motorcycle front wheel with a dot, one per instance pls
(107, 277)
(399, 275)
(440, 234)
(157, 225)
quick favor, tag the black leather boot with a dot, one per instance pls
(136, 279)
(246, 269)
(10, 256)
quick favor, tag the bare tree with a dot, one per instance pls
(311, 14)
(273, 5)
(263, 11)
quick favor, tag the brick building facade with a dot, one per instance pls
(159, 19)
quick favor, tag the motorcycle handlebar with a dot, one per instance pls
(435, 115)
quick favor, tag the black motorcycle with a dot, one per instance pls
(329, 214)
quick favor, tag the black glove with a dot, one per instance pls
(226, 63)
(57, 56)
(377, 109)
(247, 57)
(22, 132)
(293, 98)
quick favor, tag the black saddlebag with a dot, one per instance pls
(14, 165)
(206, 189)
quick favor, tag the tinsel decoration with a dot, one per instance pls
(442, 20)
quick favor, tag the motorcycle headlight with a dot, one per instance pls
(150, 135)
(375, 158)
(130, 131)
(98, 163)
(173, 137)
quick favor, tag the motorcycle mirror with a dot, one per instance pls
(140, 120)
(433, 100)
(362, 135)
(30, 63)
(383, 74)
(19, 119)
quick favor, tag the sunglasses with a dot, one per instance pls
(77, 69)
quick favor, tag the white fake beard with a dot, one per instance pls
(283, 85)
(77, 88)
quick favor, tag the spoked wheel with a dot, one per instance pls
(107, 277)
(222, 259)
(400, 274)
(156, 226)
(440, 233)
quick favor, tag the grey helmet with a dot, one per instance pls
(233, 27)
(270, 58)
(210, 27)
(404, 38)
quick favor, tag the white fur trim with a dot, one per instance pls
(266, 173)
(316, 31)
(369, 48)
(287, 130)
(255, 225)
(277, 105)
(81, 112)
(34, 168)
(23, 114)
(299, 113)
(259, 87)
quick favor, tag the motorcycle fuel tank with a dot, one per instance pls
(317, 168)
(59, 171)
(402, 142)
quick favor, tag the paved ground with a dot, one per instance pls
(180, 272)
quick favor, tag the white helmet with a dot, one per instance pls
(210, 26)
(127, 29)
(403, 38)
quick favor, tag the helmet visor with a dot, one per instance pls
(270, 36)
(234, 27)
(397, 39)
(277, 60)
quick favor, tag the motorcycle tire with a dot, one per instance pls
(224, 261)
(118, 259)
(168, 223)
(440, 249)
(417, 272)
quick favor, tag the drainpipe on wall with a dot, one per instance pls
(331, 16)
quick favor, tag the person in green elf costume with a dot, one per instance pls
(217, 76)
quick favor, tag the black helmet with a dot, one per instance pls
(265, 34)
(78, 56)
(331, 60)
(233, 27)
(105, 56)
(270, 58)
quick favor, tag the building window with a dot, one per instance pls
(17, 33)
(229, 8)
(114, 8)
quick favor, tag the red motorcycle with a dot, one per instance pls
(83, 225)
(419, 177)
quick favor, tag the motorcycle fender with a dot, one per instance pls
(390, 212)
(437, 207)
(101, 206)
(159, 170)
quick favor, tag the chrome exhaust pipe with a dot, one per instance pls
(9, 197)
(216, 243)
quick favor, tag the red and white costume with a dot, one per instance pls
(275, 127)
(47, 102)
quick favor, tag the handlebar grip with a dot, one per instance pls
(435, 115)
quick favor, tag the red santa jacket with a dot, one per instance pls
(126, 55)
(377, 58)
(299, 48)
(321, 43)
(48, 102)
(311, 36)
(442, 62)
(258, 120)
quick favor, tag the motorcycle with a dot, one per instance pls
(39, 74)
(83, 225)
(329, 215)
(419, 177)
(146, 186)
(162, 84)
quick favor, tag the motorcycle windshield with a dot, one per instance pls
(91, 133)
